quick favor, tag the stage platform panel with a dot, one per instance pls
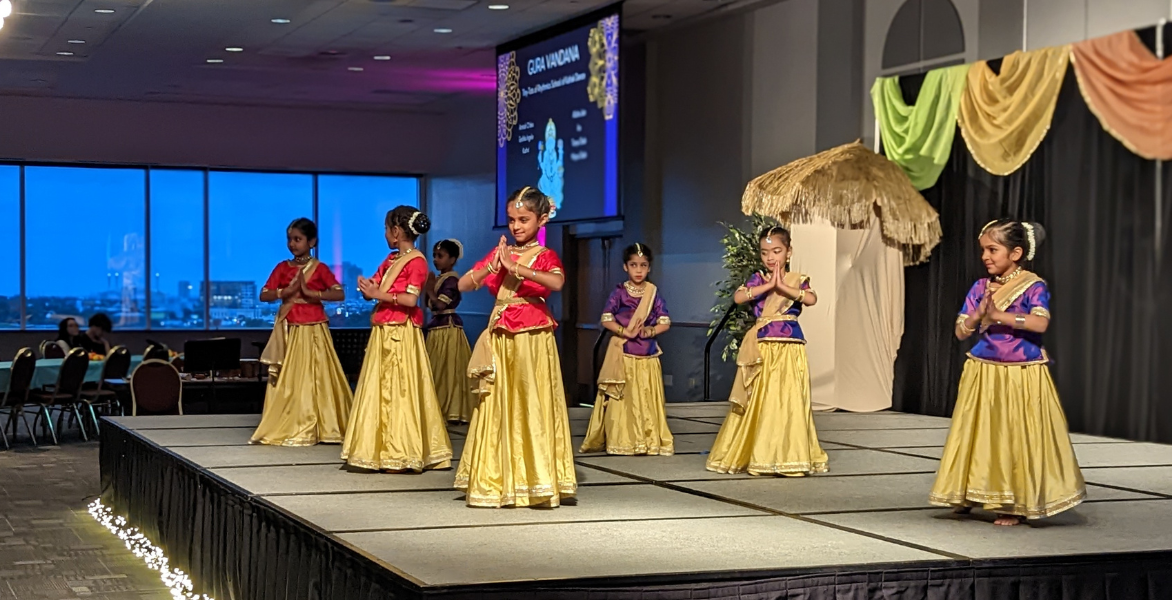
(655, 516)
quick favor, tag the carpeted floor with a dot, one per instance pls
(50, 548)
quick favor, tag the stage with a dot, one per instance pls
(260, 522)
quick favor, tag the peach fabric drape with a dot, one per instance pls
(1003, 118)
(853, 332)
(1129, 90)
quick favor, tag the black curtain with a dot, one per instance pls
(1097, 201)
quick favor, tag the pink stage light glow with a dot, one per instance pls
(446, 80)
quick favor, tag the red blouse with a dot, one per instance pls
(303, 312)
(410, 280)
(525, 316)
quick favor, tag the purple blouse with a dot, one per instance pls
(448, 291)
(620, 307)
(1003, 343)
(777, 331)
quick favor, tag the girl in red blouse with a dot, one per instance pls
(396, 424)
(308, 398)
(517, 450)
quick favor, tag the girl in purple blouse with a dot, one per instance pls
(770, 429)
(447, 345)
(1008, 449)
(628, 415)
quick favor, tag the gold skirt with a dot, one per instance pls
(636, 423)
(1008, 449)
(396, 424)
(775, 435)
(309, 402)
(449, 352)
(518, 448)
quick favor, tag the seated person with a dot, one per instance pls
(94, 340)
(68, 334)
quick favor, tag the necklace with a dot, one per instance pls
(528, 245)
(636, 291)
(301, 260)
(1004, 279)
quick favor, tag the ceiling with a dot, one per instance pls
(158, 50)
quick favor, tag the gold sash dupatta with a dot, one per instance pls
(274, 352)
(749, 357)
(482, 365)
(1010, 292)
(612, 376)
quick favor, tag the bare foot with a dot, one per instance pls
(1009, 520)
(962, 510)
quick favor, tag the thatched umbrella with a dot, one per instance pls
(846, 186)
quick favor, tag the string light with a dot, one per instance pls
(177, 581)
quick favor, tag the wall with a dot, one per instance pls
(56, 129)
(730, 99)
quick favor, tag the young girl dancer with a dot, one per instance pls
(628, 415)
(770, 429)
(518, 447)
(447, 346)
(396, 424)
(308, 398)
(1008, 449)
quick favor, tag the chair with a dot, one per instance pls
(156, 352)
(156, 389)
(50, 349)
(102, 394)
(15, 398)
(65, 396)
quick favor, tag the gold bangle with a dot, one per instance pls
(280, 292)
(801, 294)
(1019, 322)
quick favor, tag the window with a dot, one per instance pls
(10, 247)
(352, 210)
(177, 249)
(247, 217)
(85, 229)
(202, 242)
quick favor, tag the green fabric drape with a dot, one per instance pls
(919, 138)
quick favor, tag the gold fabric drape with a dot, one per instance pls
(847, 186)
(1004, 118)
(1129, 90)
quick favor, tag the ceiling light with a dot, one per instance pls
(64, 53)
(215, 61)
(355, 69)
(76, 41)
(104, 11)
(442, 30)
(5, 9)
(280, 21)
(498, 7)
(234, 49)
(382, 57)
